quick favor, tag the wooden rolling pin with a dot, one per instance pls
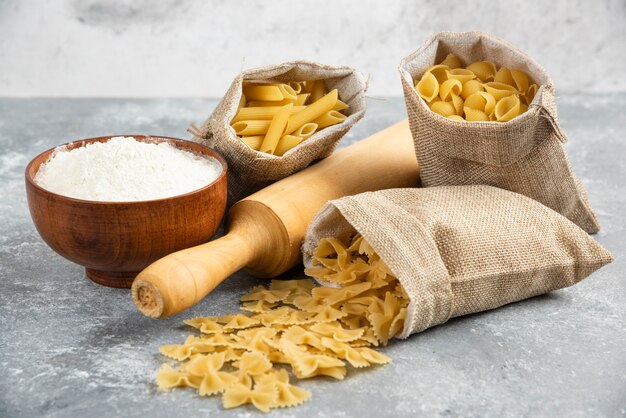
(266, 229)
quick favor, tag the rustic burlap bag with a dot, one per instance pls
(250, 170)
(524, 155)
(462, 249)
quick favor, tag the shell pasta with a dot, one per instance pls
(273, 118)
(480, 92)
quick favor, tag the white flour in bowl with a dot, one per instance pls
(123, 170)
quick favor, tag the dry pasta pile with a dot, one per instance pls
(478, 92)
(314, 330)
(275, 117)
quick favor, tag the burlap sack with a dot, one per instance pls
(462, 249)
(524, 155)
(250, 170)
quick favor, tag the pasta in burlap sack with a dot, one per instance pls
(457, 250)
(250, 170)
(524, 155)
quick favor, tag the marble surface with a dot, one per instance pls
(69, 347)
(194, 48)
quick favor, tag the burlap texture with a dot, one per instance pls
(250, 170)
(462, 249)
(524, 155)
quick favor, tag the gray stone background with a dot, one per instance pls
(192, 48)
(71, 348)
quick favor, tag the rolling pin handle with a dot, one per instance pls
(180, 280)
(266, 229)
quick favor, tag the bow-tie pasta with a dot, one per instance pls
(316, 331)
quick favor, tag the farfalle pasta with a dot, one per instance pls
(431, 254)
(387, 270)
(316, 331)
(477, 93)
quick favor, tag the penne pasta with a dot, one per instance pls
(318, 91)
(274, 117)
(286, 143)
(259, 92)
(253, 142)
(275, 129)
(298, 101)
(340, 106)
(296, 86)
(302, 99)
(287, 91)
(329, 118)
(305, 130)
(307, 86)
(312, 111)
(261, 112)
(251, 127)
(259, 103)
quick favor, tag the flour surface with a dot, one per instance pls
(123, 169)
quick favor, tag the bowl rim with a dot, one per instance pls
(215, 154)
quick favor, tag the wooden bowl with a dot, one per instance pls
(114, 241)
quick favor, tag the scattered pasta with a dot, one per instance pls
(316, 331)
(477, 93)
(276, 117)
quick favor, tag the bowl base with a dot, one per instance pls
(120, 279)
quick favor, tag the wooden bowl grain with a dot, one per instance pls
(114, 241)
